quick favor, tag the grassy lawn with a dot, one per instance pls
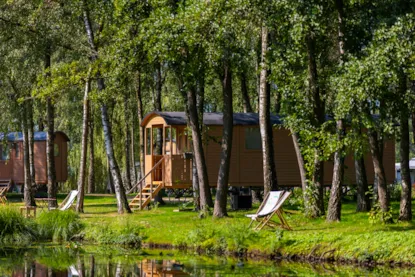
(353, 238)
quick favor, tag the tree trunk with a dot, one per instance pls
(28, 189)
(81, 266)
(334, 207)
(246, 102)
(50, 153)
(363, 198)
(405, 211)
(316, 205)
(301, 165)
(91, 266)
(159, 137)
(268, 162)
(159, 86)
(91, 174)
(383, 196)
(195, 185)
(199, 155)
(132, 149)
(141, 129)
(226, 146)
(31, 145)
(84, 149)
(122, 202)
(127, 145)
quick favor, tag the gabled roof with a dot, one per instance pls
(38, 136)
(179, 118)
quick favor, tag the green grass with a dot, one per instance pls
(352, 238)
(14, 228)
(59, 225)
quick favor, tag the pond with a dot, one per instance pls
(72, 260)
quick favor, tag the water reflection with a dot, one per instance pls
(147, 267)
(57, 261)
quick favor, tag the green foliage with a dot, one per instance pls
(15, 229)
(376, 215)
(121, 232)
(56, 257)
(395, 191)
(234, 238)
(296, 199)
(59, 225)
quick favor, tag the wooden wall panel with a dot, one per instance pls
(350, 176)
(288, 173)
(40, 162)
(18, 172)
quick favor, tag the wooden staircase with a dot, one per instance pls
(143, 198)
(148, 191)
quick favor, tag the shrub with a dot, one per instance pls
(395, 191)
(239, 237)
(121, 233)
(59, 225)
(15, 229)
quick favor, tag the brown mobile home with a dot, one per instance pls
(170, 166)
(11, 159)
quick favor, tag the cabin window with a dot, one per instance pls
(56, 150)
(252, 139)
(4, 149)
(148, 140)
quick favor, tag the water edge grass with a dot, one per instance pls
(354, 238)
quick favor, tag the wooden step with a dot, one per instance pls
(143, 198)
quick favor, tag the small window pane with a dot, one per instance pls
(148, 139)
(252, 139)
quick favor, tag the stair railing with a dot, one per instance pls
(143, 179)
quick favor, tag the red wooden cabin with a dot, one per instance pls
(11, 157)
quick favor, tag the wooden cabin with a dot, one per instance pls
(168, 164)
(11, 159)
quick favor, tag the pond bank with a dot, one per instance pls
(352, 241)
(311, 258)
(90, 260)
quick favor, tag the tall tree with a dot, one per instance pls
(91, 165)
(226, 145)
(405, 211)
(127, 145)
(140, 115)
(334, 206)
(122, 202)
(316, 206)
(28, 188)
(50, 141)
(84, 147)
(265, 125)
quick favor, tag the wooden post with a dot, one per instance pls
(163, 145)
(171, 141)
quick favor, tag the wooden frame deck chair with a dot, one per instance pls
(271, 205)
(68, 201)
(3, 198)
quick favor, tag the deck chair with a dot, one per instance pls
(3, 191)
(271, 205)
(68, 201)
